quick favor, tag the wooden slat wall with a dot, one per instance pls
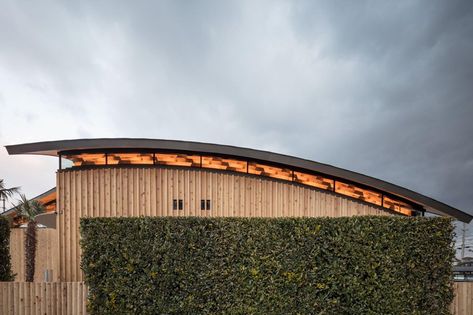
(31, 298)
(47, 256)
(71, 298)
(135, 191)
(463, 302)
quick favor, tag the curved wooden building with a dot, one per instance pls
(136, 177)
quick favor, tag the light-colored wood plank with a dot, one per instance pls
(71, 297)
(150, 190)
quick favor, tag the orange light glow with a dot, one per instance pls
(397, 206)
(87, 159)
(358, 193)
(130, 158)
(313, 180)
(241, 166)
(219, 163)
(49, 201)
(270, 171)
(178, 159)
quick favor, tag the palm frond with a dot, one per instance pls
(6, 193)
(29, 209)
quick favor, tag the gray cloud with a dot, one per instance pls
(383, 88)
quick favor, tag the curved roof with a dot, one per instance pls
(53, 148)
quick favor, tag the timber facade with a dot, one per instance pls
(154, 191)
(145, 177)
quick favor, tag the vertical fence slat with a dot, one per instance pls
(463, 301)
(21, 305)
(10, 301)
(71, 298)
(4, 300)
(37, 296)
(57, 300)
(5, 297)
(43, 298)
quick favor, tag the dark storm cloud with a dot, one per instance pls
(418, 65)
(383, 88)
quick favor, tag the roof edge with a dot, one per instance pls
(52, 148)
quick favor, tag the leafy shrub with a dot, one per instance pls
(356, 265)
(5, 263)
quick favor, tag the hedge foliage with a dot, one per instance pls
(5, 260)
(357, 265)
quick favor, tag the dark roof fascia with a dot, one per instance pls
(53, 148)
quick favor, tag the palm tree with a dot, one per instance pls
(28, 210)
(6, 193)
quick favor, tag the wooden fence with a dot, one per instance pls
(463, 302)
(70, 298)
(47, 254)
(31, 298)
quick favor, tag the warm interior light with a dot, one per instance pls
(86, 159)
(270, 171)
(397, 206)
(220, 163)
(130, 158)
(313, 180)
(178, 159)
(358, 193)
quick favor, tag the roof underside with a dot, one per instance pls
(44, 198)
(54, 148)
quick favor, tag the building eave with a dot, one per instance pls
(54, 148)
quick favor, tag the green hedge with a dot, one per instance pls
(358, 265)
(5, 260)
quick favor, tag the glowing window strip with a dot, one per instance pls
(215, 162)
(313, 180)
(397, 206)
(270, 171)
(178, 159)
(220, 163)
(358, 193)
(130, 158)
(87, 159)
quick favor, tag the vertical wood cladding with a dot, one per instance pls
(150, 191)
(34, 298)
(46, 254)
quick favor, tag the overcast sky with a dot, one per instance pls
(382, 88)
